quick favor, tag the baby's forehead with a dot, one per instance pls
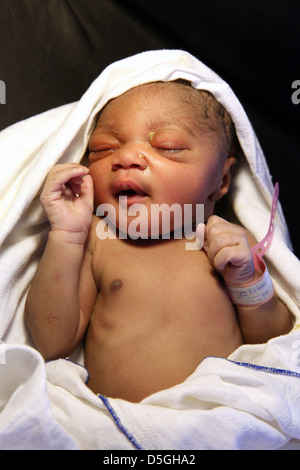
(157, 98)
(174, 102)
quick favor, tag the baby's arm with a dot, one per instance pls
(228, 249)
(56, 312)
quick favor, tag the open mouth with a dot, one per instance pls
(128, 189)
(129, 192)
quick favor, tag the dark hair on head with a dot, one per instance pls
(213, 117)
(215, 110)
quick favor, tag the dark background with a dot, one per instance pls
(51, 50)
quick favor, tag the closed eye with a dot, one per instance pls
(99, 153)
(104, 148)
(169, 152)
(102, 144)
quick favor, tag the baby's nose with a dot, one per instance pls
(129, 159)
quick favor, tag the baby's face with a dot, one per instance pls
(145, 147)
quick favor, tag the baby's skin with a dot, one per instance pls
(149, 310)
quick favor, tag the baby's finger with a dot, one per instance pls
(234, 265)
(216, 226)
(224, 240)
(61, 174)
(84, 190)
(87, 188)
(200, 234)
(235, 255)
(75, 184)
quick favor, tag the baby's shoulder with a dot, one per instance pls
(99, 235)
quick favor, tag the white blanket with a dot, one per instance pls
(224, 404)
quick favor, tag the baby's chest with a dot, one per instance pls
(156, 270)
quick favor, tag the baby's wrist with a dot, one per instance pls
(69, 238)
(256, 292)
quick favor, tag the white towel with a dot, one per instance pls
(28, 150)
(26, 420)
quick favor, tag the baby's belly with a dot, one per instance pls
(133, 350)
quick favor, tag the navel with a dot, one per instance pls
(116, 284)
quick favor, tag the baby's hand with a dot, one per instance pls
(228, 250)
(67, 199)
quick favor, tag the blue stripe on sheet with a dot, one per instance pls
(271, 370)
(118, 422)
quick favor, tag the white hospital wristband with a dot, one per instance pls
(254, 293)
(261, 290)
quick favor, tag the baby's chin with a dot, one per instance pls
(135, 229)
(149, 228)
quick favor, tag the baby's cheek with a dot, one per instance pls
(98, 183)
(99, 195)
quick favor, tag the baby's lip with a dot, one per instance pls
(127, 188)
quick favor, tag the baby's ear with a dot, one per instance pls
(225, 180)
